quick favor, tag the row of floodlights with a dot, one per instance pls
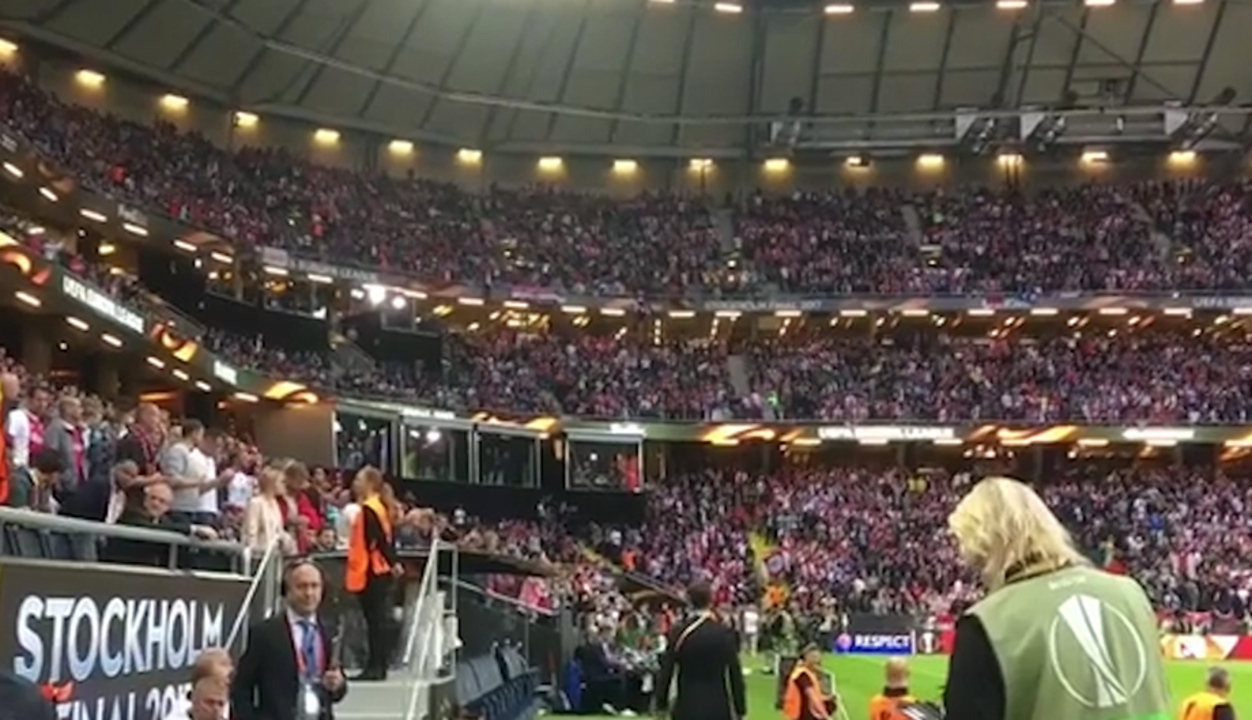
(918, 6)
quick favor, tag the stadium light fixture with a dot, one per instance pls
(7, 48)
(468, 156)
(925, 6)
(92, 215)
(728, 8)
(326, 136)
(13, 170)
(859, 162)
(134, 229)
(48, 194)
(174, 103)
(550, 163)
(930, 161)
(27, 298)
(1011, 4)
(1182, 157)
(662, 2)
(89, 78)
(1099, 3)
(1009, 159)
(400, 147)
(625, 167)
(246, 119)
(700, 164)
(111, 340)
(77, 324)
(1188, 2)
(1095, 156)
(777, 165)
(839, 9)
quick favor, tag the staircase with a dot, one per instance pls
(350, 356)
(737, 370)
(724, 225)
(913, 222)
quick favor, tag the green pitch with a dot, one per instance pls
(860, 677)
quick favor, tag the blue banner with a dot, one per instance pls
(874, 644)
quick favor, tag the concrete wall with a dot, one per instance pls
(137, 100)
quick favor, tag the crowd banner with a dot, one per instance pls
(117, 641)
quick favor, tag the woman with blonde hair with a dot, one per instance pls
(371, 565)
(263, 517)
(1054, 637)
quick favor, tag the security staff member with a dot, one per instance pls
(886, 705)
(803, 698)
(705, 654)
(1054, 637)
(1211, 703)
(372, 563)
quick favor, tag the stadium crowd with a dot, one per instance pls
(1151, 236)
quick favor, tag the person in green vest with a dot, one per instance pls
(1055, 638)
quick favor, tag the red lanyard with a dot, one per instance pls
(317, 648)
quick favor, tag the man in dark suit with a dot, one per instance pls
(706, 656)
(288, 671)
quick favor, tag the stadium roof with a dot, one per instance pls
(653, 77)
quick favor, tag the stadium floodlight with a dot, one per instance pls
(89, 78)
(469, 156)
(700, 164)
(924, 7)
(550, 163)
(7, 48)
(1011, 4)
(400, 147)
(246, 119)
(839, 9)
(170, 101)
(728, 7)
(1099, 3)
(777, 165)
(625, 167)
(930, 160)
(326, 136)
(1182, 157)
(1095, 156)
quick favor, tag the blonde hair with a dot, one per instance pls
(1003, 526)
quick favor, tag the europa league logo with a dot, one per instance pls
(844, 642)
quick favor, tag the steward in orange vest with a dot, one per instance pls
(803, 698)
(1212, 703)
(371, 567)
(895, 694)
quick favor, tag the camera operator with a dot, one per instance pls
(1054, 637)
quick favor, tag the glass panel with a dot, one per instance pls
(434, 453)
(361, 440)
(600, 465)
(510, 460)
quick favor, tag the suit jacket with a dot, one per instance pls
(710, 679)
(266, 685)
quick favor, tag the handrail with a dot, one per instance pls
(43, 521)
(432, 631)
(471, 587)
(262, 573)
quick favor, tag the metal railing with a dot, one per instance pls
(266, 579)
(432, 636)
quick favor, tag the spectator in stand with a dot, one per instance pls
(263, 520)
(33, 485)
(153, 513)
(66, 436)
(25, 426)
(141, 444)
(304, 506)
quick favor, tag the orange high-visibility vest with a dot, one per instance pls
(882, 707)
(1201, 706)
(363, 561)
(794, 701)
(4, 453)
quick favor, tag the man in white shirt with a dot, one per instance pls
(24, 426)
(188, 464)
(751, 629)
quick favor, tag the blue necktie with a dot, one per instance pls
(308, 650)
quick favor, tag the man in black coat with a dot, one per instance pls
(288, 671)
(705, 654)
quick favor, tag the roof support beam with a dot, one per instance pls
(201, 35)
(534, 78)
(53, 12)
(756, 77)
(1084, 36)
(508, 73)
(884, 37)
(394, 57)
(815, 74)
(260, 52)
(998, 99)
(1080, 35)
(1208, 53)
(948, 32)
(620, 101)
(346, 26)
(446, 75)
(680, 97)
(566, 72)
(1141, 51)
(1029, 62)
(131, 24)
